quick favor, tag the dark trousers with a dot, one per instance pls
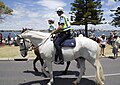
(58, 41)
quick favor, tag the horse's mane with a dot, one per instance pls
(36, 34)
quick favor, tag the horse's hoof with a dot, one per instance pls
(64, 73)
(50, 83)
(102, 83)
(43, 75)
(36, 70)
(75, 82)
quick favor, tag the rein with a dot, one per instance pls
(31, 43)
(42, 42)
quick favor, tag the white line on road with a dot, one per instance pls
(92, 76)
(106, 75)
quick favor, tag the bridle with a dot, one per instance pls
(25, 47)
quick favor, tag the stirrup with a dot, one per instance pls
(59, 62)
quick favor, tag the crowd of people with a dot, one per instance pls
(113, 39)
(9, 40)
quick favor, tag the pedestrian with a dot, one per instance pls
(116, 46)
(1, 38)
(111, 38)
(9, 39)
(64, 33)
(103, 42)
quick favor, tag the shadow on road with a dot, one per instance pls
(33, 72)
(56, 73)
(61, 81)
(58, 80)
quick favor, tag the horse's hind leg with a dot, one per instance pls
(82, 70)
(99, 70)
(99, 73)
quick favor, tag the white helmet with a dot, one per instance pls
(51, 20)
(60, 9)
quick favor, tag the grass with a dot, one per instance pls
(13, 51)
(108, 50)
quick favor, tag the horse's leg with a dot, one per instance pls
(99, 73)
(78, 63)
(82, 70)
(34, 64)
(66, 69)
(99, 70)
(49, 65)
(46, 74)
(36, 51)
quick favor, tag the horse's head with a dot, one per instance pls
(24, 45)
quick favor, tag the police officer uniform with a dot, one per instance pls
(64, 34)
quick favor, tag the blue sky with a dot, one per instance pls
(35, 13)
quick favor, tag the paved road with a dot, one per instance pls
(21, 73)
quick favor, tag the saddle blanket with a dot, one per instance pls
(69, 43)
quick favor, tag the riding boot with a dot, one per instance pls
(61, 59)
(56, 57)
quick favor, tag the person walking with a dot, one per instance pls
(63, 33)
(9, 39)
(116, 45)
(103, 42)
(1, 38)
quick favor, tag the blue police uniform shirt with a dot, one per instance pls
(62, 20)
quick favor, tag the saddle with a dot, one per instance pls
(69, 43)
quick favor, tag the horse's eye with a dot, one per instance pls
(21, 43)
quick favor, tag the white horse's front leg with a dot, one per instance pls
(49, 65)
(82, 70)
(44, 71)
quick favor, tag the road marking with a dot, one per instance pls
(106, 75)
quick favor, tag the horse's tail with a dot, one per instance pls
(99, 74)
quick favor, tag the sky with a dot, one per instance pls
(35, 14)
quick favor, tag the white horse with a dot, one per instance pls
(26, 44)
(85, 49)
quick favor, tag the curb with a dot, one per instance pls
(16, 59)
(20, 59)
(6, 59)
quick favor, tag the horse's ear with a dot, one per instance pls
(18, 36)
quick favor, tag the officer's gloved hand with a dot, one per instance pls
(53, 32)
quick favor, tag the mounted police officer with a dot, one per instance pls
(51, 25)
(63, 32)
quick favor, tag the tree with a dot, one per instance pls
(87, 12)
(116, 17)
(4, 10)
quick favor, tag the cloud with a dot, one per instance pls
(35, 13)
(102, 2)
(110, 2)
(51, 4)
